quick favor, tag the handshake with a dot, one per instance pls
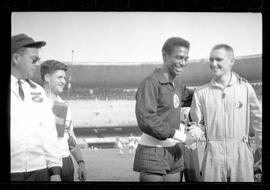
(194, 134)
(190, 136)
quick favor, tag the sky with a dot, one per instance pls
(136, 37)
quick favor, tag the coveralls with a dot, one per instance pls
(227, 115)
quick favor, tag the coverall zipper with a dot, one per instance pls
(225, 135)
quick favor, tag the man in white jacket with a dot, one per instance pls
(33, 151)
(227, 108)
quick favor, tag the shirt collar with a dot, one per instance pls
(233, 81)
(14, 80)
(159, 75)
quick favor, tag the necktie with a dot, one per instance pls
(21, 90)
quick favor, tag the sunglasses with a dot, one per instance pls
(35, 59)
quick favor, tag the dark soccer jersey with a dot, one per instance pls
(158, 104)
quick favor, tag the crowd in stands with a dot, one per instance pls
(116, 93)
(100, 93)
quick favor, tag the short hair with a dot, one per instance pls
(50, 66)
(226, 47)
(172, 42)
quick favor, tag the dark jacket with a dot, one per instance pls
(158, 105)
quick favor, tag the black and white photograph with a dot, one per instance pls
(136, 97)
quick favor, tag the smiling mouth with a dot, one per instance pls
(215, 68)
(179, 69)
(61, 86)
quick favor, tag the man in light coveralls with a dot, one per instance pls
(227, 109)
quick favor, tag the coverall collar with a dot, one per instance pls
(235, 78)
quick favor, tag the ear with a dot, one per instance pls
(47, 77)
(164, 54)
(15, 58)
(232, 61)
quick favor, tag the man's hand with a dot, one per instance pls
(189, 139)
(182, 127)
(82, 174)
(196, 132)
(55, 178)
(192, 146)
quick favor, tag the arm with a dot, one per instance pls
(54, 160)
(187, 95)
(75, 150)
(81, 170)
(196, 114)
(146, 111)
(255, 115)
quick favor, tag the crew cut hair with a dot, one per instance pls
(226, 47)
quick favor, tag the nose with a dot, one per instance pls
(183, 62)
(213, 62)
(64, 81)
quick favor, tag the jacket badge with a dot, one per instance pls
(37, 99)
(175, 101)
(238, 104)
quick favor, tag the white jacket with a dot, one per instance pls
(32, 129)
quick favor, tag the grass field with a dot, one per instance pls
(108, 165)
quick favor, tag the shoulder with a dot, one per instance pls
(35, 87)
(150, 80)
(203, 88)
(243, 82)
(240, 79)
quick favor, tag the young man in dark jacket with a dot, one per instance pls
(158, 102)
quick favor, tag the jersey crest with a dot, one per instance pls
(176, 101)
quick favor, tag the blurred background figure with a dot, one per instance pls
(132, 143)
(119, 145)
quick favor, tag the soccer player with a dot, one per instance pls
(159, 98)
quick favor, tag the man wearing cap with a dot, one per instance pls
(53, 75)
(33, 141)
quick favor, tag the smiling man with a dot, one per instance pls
(53, 74)
(158, 102)
(227, 108)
